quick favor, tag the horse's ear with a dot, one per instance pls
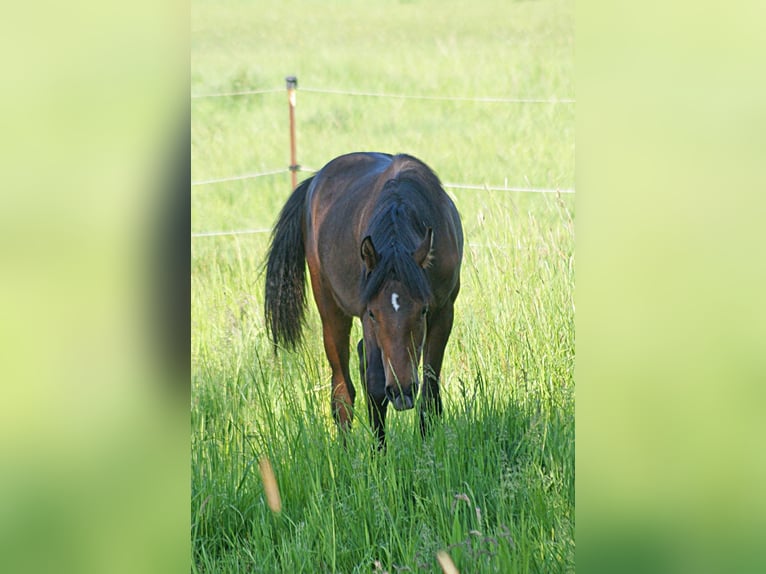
(369, 255)
(423, 253)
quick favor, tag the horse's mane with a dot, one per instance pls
(397, 227)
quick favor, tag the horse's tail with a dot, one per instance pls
(285, 301)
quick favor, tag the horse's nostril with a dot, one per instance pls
(400, 399)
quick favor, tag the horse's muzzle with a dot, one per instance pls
(401, 399)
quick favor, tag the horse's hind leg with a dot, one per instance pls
(371, 372)
(439, 328)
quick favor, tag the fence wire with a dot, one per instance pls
(477, 187)
(353, 93)
(445, 185)
(479, 99)
(235, 94)
(364, 94)
(505, 188)
(239, 177)
(233, 232)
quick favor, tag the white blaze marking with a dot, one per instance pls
(395, 301)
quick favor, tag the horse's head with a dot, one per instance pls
(395, 319)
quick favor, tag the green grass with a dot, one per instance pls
(494, 483)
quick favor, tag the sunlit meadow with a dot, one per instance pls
(493, 485)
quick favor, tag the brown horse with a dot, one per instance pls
(384, 243)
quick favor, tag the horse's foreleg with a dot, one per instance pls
(371, 371)
(336, 327)
(439, 328)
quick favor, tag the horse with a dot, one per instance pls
(384, 243)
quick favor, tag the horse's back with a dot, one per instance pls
(356, 167)
(341, 199)
(341, 173)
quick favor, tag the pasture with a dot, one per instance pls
(493, 485)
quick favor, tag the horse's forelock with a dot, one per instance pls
(397, 265)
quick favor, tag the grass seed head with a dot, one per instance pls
(448, 566)
(270, 487)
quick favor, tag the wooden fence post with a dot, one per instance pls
(292, 85)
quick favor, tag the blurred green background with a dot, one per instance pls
(670, 277)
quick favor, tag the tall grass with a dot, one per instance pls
(493, 485)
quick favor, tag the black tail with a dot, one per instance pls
(285, 301)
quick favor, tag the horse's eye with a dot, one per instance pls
(371, 315)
